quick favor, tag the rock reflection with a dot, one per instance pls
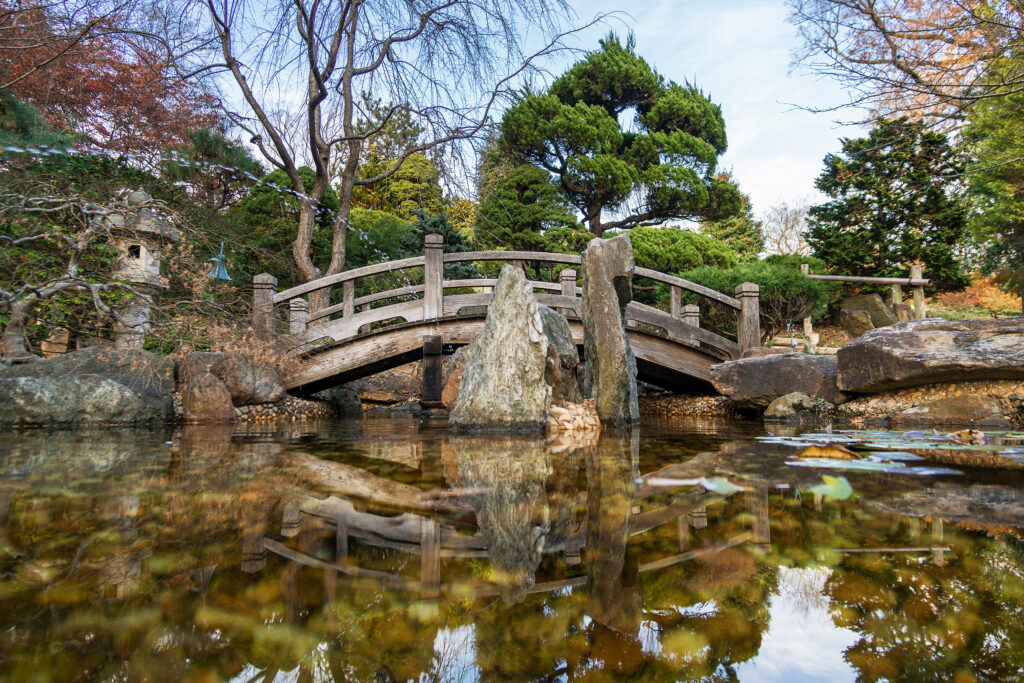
(524, 497)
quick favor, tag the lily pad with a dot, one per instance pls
(833, 488)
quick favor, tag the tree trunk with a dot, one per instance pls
(302, 253)
(13, 340)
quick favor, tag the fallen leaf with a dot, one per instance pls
(969, 436)
(834, 451)
(833, 488)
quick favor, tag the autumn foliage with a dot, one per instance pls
(87, 78)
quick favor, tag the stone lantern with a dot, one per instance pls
(139, 236)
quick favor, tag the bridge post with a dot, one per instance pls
(264, 287)
(567, 278)
(433, 276)
(691, 316)
(917, 272)
(677, 300)
(298, 311)
(805, 268)
(348, 297)
(748, 318)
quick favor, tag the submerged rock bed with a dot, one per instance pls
(1009, 394)
(682, 406)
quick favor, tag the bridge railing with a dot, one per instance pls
(420, 302)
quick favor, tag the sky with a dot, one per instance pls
(738, 52)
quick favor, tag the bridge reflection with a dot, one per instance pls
(514, 501)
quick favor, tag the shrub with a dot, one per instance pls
(786, 296)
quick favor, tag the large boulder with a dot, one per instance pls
(930, 351)
(756, 382)
(143, 372)
(855, 322)
(503, 385)
(246, 381)
(78, 399)
(92, 385)
(344, 398)
(610, 371)
(204, 398)
(880, 314)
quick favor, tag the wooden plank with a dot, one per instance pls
(547, 257)
(350, 481)
(679, 330)
(345, 328)
(694, 554)
(914, 282)
(687, 285)
(353, 274)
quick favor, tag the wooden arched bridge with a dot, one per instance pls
(362, 336)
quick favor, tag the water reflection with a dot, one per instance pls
(385, 550)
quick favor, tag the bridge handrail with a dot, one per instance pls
(432, 304)
(418, 289)
(354, 274)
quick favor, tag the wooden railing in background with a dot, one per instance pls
(916, 280)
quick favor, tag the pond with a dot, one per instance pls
(384, 549)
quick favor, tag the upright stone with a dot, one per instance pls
(610, 372)
(503, 384)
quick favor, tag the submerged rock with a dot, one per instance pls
(930, 351)
(796, 406)
(503, 385)
(610, 373)
(756, 382)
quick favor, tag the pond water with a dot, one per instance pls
(384, 549)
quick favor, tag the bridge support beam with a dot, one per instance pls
(432, 383)
(748, 317)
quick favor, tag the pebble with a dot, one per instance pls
(571, 417)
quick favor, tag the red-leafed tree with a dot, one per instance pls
(87, 74)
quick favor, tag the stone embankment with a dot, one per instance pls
(919, 373)
(117, 386)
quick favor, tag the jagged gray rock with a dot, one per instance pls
(556, 329)
(756, 382)
(503, 385)
(930, 351)
(610, 372)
